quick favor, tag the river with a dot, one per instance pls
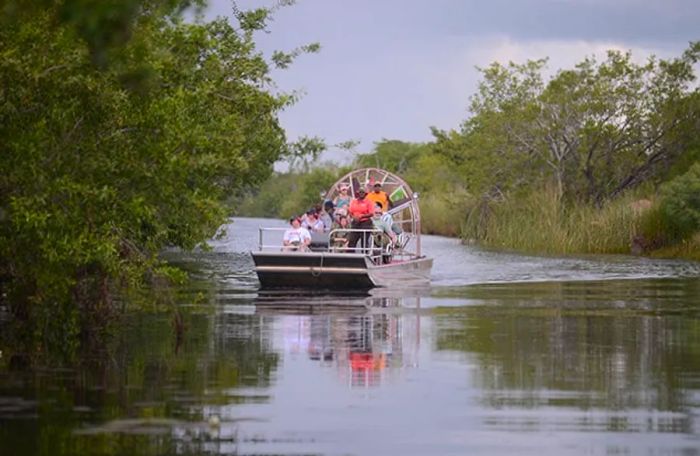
(502, 354)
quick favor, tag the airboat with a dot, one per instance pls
(376, 261)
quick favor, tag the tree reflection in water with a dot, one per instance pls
(604, 367)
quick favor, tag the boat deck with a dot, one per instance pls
(325, 267)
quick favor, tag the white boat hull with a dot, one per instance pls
(321, 270)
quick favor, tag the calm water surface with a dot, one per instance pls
(503, 354)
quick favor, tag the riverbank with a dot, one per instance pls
(541, 223)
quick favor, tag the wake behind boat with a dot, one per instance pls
(354, 257)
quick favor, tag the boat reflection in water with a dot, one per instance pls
(360, 338)
(608, 367)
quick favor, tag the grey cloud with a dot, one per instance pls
(639, 21)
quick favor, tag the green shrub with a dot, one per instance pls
(287, 194)
(680, 205)
(438, 216)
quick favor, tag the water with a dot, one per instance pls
(503, 354)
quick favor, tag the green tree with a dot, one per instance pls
(594, 131)
(290, 193)
(390, 154)
(115, 148)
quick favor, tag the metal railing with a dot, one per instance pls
(371, 248)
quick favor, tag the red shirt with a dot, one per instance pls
(361, 209)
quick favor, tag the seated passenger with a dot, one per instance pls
(388, 219)
(312, 222)
(342, 212)
(380, 222)
(296, 238)
(340, 238)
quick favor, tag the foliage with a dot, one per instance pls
(552, 166)
(155, 366)
(123, 130)
(556, 165)
(392, 155)
(594, 131)
(538, 222)
(438, 216)
(290, 193)
(680, 204)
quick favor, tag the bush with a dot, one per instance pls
(287, 194)
(438, 216)
(680, 205)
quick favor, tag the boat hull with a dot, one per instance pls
(414, 272)
(320, 270)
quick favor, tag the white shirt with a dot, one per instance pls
(296, 235)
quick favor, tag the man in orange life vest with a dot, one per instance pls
(361, 210)
(380, 196)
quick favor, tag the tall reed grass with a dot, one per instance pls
(541, 222)
(440, 215)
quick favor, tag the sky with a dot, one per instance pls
(391, 69)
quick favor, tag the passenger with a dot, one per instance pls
(327, 216)
(340, 212)
(340, 238)
(381, 222)
(361, 210)
(380, 196)
(304, 219)
(388, 219)
(312, 222)
(343, 199)
(296, 238)
(387, 239)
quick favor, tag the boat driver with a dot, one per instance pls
(361, 210)
(379, 196)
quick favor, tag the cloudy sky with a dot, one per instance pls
(393, 68)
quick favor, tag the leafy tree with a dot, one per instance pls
(393, 155)
(115, 147)
(290, 193)
(594, 131)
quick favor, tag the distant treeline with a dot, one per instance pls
(600, 158)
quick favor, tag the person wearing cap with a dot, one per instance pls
(361, 210)
(380, 196)
(343, 199)
(296, 237)
(383, 222)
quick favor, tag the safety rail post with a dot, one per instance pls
(417, 220)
